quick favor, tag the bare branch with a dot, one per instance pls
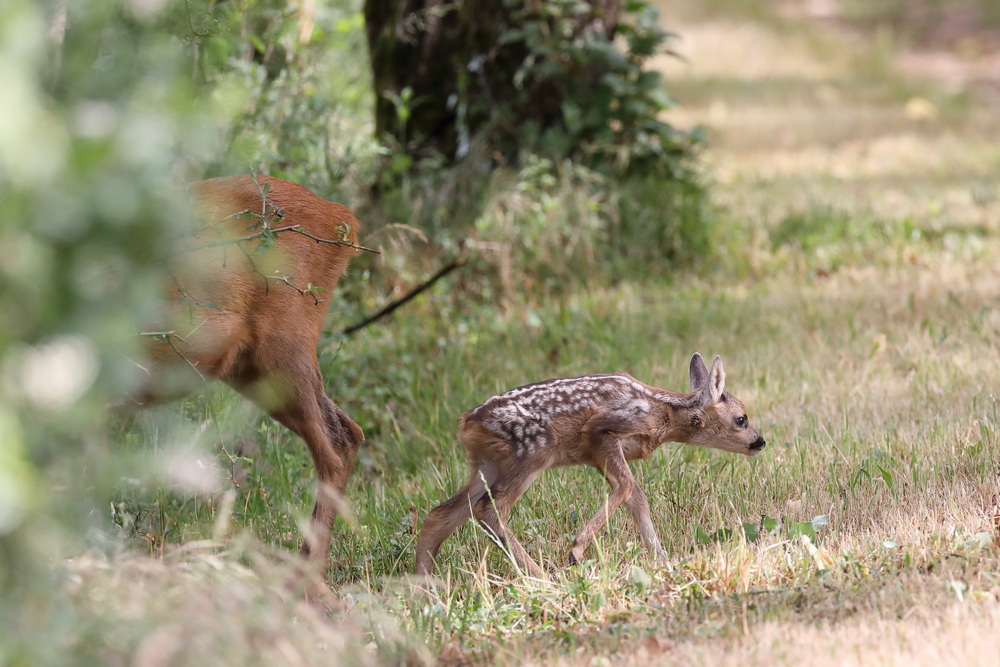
(265, 232)
(310, 289)
(448, 268)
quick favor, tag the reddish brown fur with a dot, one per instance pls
(225, 320)
(602, 421)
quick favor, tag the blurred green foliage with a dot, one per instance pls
(528, 137)
(99, 109)
(293, 84)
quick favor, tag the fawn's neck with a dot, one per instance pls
(678, 417)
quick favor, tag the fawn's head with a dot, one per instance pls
(717, 418)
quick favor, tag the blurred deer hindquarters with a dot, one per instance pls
(245, 304)
(602, 421)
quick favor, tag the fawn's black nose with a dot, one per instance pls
(758, 444)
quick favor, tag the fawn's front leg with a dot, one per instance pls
(610, 461)
(638, 507)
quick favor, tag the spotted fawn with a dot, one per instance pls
(603, 421)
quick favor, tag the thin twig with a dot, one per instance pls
(291, 228)
(253, 267)
(168, 338)
(445, 270)
(238, 239)
(298, 229)
(310, 290)
(158, 334)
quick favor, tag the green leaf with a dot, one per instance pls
(258, 43)
(886, 476)
(400, 163)
(640, 578)
(751, 532)
(354, 22)
(572, 117)
(801, 528)
(648, 81)
(722, 535)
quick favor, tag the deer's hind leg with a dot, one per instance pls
(289, 388)
(444, 519)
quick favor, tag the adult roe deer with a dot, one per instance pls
(602, 421)
(246, 306)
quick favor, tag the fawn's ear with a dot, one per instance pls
(712, 391)
(698, 373)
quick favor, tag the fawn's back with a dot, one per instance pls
(553, 418)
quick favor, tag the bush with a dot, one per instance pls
(99, 111)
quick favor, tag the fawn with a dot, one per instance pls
(253, 319)
(602, 421)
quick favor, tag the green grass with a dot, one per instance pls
(854, 294)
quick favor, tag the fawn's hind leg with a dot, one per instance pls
(444, 519)
(493, 510)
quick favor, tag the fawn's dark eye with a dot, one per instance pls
(741, 422)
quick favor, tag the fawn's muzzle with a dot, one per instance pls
(758, 444)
